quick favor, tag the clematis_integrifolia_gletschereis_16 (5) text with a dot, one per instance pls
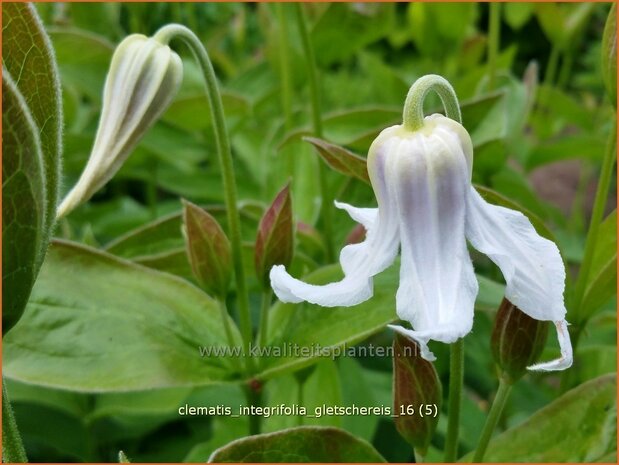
(427, 208)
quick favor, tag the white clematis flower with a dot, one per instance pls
(428, 208)
(144, 77)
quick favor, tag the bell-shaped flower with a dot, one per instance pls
(428, 208)
(144, 77)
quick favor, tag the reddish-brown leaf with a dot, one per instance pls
(341, 159)
(208, 249)
(274, 241)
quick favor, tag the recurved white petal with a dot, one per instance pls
(437, 283)
(360, 262)
(366, 216)
(532, 266)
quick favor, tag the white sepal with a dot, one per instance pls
(144, 77)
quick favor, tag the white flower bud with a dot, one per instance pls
(144, 77)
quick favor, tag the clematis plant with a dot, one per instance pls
(421, 174)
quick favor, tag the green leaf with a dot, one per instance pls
(83, 59)
(208, 249)
(24, 199)
(517, 14)
(28, 56)
(350, 26)
(583, 146)
(303, 444)
(275, 238)
(360, 393)
(580, 426)
(602, 279)
(340, 159)
(89, 310)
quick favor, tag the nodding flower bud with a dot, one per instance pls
(417, 394)
(144, 77)
(517, 340)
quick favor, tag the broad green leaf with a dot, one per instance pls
(318, 385)
(83, 59)
(102, 18)
(28, 56)
(322, 387)
(593, 361)
(358, 390)
(562, 22)
(583, 146)
(24, 203)
(352, 27)
(302, 444)
(340, 159)
(191, 113)
(437, 29)
(602, 279)
(89, 310)
(580, 426)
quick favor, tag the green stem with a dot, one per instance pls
(493, 417)
(494, 39)
(264, 318)
(413, 106)
(456, 378)
(599, 205)
(165, 35)
(284, 66)
(12, 447)
(286, 82)
(326, 209)
(254, 398)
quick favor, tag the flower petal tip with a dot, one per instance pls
(425, 352)
(565, 344)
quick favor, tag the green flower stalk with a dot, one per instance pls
(144, 77)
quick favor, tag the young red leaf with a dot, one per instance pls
(208, 249)
(341, 159)
(417, 394)
(274, 241)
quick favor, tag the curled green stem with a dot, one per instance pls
(222, 142)
(456, 378)
(493, 418)
(413, 106)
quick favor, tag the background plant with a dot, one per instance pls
(107, 351)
